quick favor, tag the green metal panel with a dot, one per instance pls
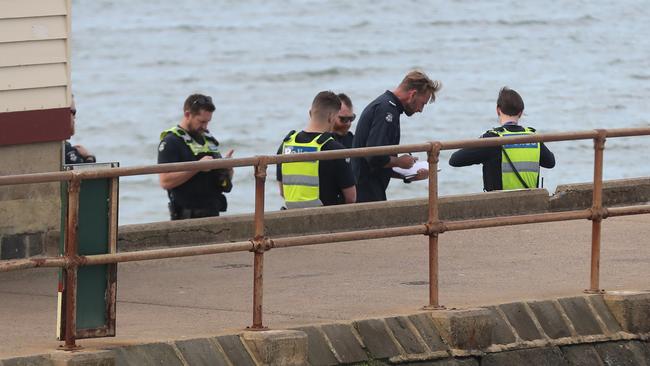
(95, 316)
(93, 239)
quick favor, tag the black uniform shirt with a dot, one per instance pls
(345, 140)
(202, 191)
(378, 126)
(490, 157)
(333, 175)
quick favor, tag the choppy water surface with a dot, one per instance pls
(579, 65)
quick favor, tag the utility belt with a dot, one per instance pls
(179, 212)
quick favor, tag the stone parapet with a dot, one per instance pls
(610, 329)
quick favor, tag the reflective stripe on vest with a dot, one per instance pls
(210, 145)
(525, 158)
(300, 182)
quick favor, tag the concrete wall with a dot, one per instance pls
(379, 214)
(29, 214)
(34, 95)
(590, 330)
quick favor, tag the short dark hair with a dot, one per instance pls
(324, 104)
(510, 102)
(418, 80)
(345, 99)
(196, 103)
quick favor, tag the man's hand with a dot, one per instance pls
(207, 157)
(422, 174)
(231, 171)
(406, 161)
(82, 151)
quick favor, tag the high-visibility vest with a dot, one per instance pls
(524, 157)
(300, 182)
(210, 145)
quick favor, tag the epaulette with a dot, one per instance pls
(531, 129)
(288, 136)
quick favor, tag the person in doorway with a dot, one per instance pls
(316, 183)
(511, 166)
(379, 125)
(194, 194)
(75, 154)
(341, 130)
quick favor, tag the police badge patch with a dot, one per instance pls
(389, 117)
(161, 147)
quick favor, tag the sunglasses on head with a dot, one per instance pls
(348, 119)
(202, 101)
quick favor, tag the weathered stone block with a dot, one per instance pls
(548, 356)
(521, 321)
(550, 319)
(147, 354)
(374, 334)
(344, 342)
(278, 347)
(631, 309)
(580, 314)
(201, 352)
(428, 331)
(13, 247)
(235, 351)
(318, 351)
(620, 353)
(582, 355)
(409, 341)
(34, 243)
(605, 315)
(501, 332)
(464, 329)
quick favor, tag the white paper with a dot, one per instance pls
(407, 173)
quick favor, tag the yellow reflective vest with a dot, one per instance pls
(210, 145)
(519, 158)
(300, 182)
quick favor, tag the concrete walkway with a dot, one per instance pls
(203, 296)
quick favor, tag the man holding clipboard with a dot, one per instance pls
(379, 125)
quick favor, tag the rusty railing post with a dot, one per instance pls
(597, 212)
(71, 249)
(259, 244)
(433, 226)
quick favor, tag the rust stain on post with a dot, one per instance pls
(259, 244)
(597, 212)
(70, 252)
(433, 223)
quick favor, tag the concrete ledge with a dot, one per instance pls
(329, 219)
(378, 214)
(616, 192)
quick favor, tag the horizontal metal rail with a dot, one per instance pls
(323, 155)
(247, 246)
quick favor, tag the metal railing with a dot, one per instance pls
(260, 243)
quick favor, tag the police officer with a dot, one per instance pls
(76, 154)
(379, 125)
(194, 193)
(513, 166)
(316, 183)
(341, 130)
